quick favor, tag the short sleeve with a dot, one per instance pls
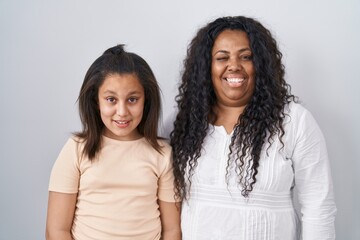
(166, 178)
(65, 173)
(313, 180)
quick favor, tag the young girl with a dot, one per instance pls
(114, 179)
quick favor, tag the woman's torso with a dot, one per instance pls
(217, 210)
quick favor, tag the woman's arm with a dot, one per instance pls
(313, 181)
(60, 215)
(170, 220)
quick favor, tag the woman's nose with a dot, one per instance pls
(234, 64)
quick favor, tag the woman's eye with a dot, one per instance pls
(221, 58)
(247, 57)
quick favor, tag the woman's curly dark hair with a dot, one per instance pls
(260, 121)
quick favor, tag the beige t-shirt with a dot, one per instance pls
(118, 193)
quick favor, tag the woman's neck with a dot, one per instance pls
(227, 116)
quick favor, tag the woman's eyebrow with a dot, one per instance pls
(227, 52)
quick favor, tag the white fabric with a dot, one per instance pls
(216, 210)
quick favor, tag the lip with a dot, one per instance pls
(235, 81)
(235, 75)
(122, 123)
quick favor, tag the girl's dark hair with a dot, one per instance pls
(261, 120)
(116, 60)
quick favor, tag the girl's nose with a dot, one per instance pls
(122, 109)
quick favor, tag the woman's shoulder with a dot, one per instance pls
(295, 112)
(295, 108)
(299, 118)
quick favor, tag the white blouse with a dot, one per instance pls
(216, 209)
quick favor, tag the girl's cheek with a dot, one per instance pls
(106, 110)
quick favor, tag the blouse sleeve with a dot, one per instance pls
(65, 173)
(313, 181)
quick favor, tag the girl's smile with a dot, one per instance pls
(121, 105)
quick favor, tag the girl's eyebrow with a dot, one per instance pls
(109, 92)
(134, 92)
(114, 93)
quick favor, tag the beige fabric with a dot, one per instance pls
(118, 193)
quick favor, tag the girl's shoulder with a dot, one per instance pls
(76, 142)
(164, 142)
(143, 146)
(73, 142)
(165, 146)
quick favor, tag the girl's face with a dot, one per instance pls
(121, 105)
(232, 69)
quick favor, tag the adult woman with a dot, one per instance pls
(243, 146)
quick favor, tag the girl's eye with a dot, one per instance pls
(111, 99)
(132, 100)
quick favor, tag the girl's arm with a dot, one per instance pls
(170, 220)
(60, 215)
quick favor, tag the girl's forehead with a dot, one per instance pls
(121, 84)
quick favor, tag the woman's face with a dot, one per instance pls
(232, 69)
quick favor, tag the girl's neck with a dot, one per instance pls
(227, 117)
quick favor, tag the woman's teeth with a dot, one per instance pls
(234, 80)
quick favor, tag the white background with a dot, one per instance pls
(47, 46)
